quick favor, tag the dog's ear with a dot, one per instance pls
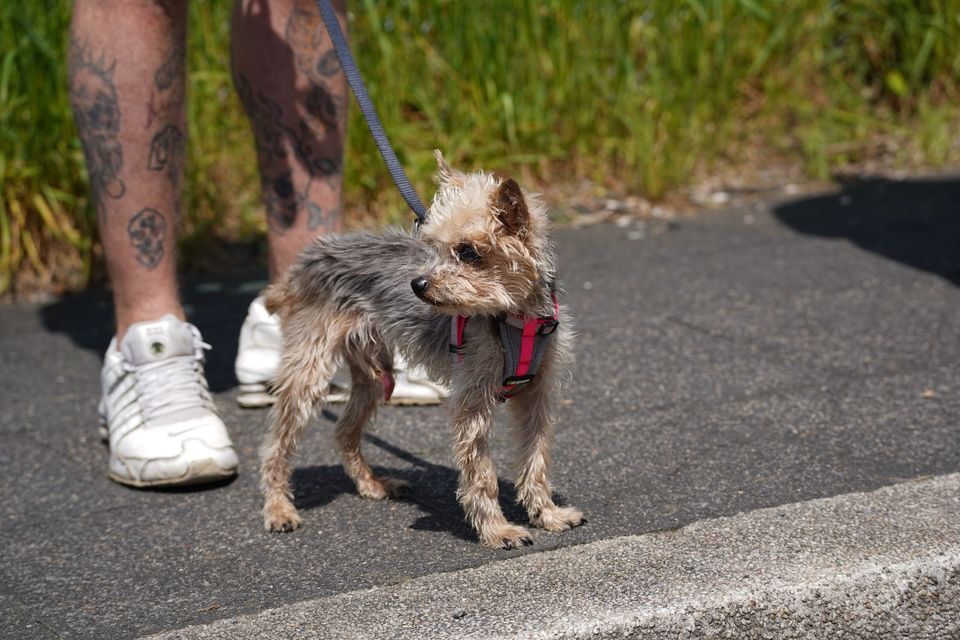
(445, 172)
(511, 206)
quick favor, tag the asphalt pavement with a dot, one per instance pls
(774, 353)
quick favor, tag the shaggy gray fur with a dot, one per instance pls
(369, 275)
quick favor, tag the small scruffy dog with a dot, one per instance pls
(483, 255)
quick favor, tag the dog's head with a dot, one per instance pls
(491, 240)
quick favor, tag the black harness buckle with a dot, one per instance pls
(513, 385)
(548, 327)
(512, 381)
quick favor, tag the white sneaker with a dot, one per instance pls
(156, 410)
(413, 387)
(258, 358)
(258, 355)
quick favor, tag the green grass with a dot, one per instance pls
(646, 95)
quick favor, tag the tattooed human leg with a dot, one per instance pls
(127, 89)
(294, 92)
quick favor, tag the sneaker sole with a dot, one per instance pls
(200, 472)
(260, 398)
(255, 399)
(263, 399)
(415, 402)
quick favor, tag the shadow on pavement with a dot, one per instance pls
(916, 222)
(217, 305)
(433, 490)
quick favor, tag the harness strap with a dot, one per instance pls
(524, 342)
(458, 324)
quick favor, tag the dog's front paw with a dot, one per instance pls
(507, 536)
(280, 518)
(558, 519)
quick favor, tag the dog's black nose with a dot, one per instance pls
(420, 285)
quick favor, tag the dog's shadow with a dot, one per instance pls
(432, 489)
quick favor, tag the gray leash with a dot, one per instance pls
(369, 111)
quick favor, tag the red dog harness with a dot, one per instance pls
(524, 343)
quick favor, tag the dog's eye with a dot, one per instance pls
(467, 253)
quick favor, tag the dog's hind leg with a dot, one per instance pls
(366, 392)
(312, 341)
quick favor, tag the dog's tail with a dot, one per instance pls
(275, 296)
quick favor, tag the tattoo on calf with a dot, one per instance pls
(282, 202)
(264, 114)
(314, 138)
(281, 199)
(147, 231)
(96, 110)
(168, 146)
(167, 151)
(171, 69)
(319, 144)
(321, 104)
(329, 64)
(306, 35)
(319, 218)
(316, 162)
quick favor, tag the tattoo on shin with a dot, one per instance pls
(147, 231)
(96, 110)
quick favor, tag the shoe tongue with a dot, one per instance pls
(148, 342)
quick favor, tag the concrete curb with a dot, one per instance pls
(884, 564)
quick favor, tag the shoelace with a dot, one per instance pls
(173, 384)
